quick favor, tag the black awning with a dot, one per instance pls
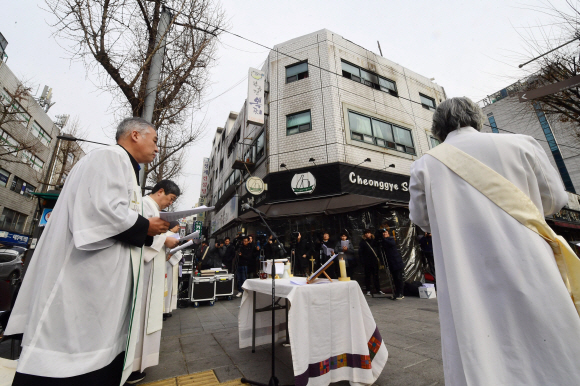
(328, 205)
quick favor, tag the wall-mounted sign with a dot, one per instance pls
(380, 183)
(303, 183)
(255, 102)
(13, 238)
(204, 177)
(255, 186)
(45, 216)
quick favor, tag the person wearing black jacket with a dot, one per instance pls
(214, 257)
(229, 254)
(426, 243)
(245, 260)
(301, 262)
(369, 256)
(395, 262)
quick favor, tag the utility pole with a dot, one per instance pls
(154, 75)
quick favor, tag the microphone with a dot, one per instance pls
(246, 206)
(249, 207)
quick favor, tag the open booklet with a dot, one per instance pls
(174, 216)
(322, 267)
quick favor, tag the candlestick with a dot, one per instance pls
(342, 265)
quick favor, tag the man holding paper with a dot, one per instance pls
(81, 288)
(506, 315)
(164, 193)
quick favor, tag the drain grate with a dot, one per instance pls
(205, 378)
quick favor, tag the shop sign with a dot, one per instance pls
(13, 238)
(225, 215)
(255, 186)
(255, 102)
(197, 226)
(204, 177)
(381, 184)
(303, 183)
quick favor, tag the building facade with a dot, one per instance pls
(503, 113)
(342, 127)
(27, 146)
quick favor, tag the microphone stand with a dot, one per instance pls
(273, 380)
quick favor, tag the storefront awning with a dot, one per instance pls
(329, 205)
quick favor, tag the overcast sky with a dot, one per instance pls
(471, 48)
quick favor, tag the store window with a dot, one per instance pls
(434, 142)
(34, 162)
(12, 220)
(368, 78)
(427, 102)
(4, 176)
(298, 123)
(380, 133)
(296, 72)
(40, 133)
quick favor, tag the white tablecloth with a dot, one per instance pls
(333, 334)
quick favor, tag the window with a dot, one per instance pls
(22, 116)
(219, 194)
(5, 98)
(434, 142)
(370, 79)
(8, 142)
(20, 186)
(427, 102)
(380, 133)
(221, 164)
(298, 123)
(296, 72)
(70, 158)
(492, 123)
(13, 220)
(260, 146)
(34, 162)
(234, 142)
(4, 176)
(40, 133)
(6, 256)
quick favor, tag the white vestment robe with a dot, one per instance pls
(147, 350)
(74, 307)
(172, 272)
(506, 316)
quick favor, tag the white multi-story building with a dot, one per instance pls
(505, 114)
(342, 127)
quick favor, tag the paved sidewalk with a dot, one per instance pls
(206, 338)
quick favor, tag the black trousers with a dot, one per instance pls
(372, 270)
(398, 280)
(109, 375)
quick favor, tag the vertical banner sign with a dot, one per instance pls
(204, 177)
(255, 104)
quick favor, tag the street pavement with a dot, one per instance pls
(206, 338)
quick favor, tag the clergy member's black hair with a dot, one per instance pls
(173, 224)
(168, 186)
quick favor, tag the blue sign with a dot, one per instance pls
(45, 216)
(13, 238)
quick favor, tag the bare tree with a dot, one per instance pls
(69, 152)
(12, 115)
(117, 38)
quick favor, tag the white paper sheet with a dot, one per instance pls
(188, 244)
(194, 235)
(174, 216)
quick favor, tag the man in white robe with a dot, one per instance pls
(171, 272)
(74, 307)
(506, 316)
(164, 193)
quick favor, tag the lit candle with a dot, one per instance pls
(342, 265)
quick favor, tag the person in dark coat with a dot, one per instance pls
(202, 255)
(394, 261)
(427, 249)
(229, 254)
(245, 260)
(301, 252)
(369, 256)
(348, 251)
(214, 257)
